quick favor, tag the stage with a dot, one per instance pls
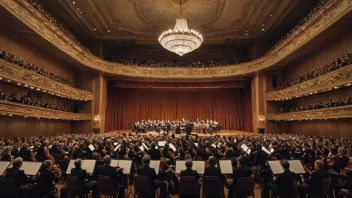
(222, 133)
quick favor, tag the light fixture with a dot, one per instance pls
(181, 40)
(95, 29)
(74, 2)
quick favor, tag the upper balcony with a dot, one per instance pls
(310, 33)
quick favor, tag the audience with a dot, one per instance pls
(312, 12)
(318, 105)
(212, 148)
(334, 65)
(20, 62)
(29, 100)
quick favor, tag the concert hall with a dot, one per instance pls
(176, 98)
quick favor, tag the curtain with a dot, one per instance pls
(230, 107)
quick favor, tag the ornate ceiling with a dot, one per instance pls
(144, 20)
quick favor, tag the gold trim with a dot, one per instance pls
(12, 108)
(329, 14)
(318, 114)
(326, 82)
(16, 73)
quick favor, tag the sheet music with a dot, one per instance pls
(91, 147)
(162, 143)
(180, 165)
(89, 165)
(117, 147)
(244, 147)
(226, 166)
(3, 167)
(272, 150)
(33, 168)
(114, 163)
(126, 165)
(71, 165)
(199, 166)
(172, 147)
(276, 167)
(155, 164)
(249, 151)
(296, 167)
(141, 148)
(145, 146)
(265, 150)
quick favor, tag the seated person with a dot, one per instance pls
(115, 173)
(6, 154)
(241, 171)
(45, 181)
(283, 183)
(145, 170)
(83, 176)
(214, 171)
(26, 153)
(191, 173)
(313, 184)
(18, 175)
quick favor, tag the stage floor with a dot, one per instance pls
(222, 133)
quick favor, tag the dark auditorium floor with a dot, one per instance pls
(130, 195)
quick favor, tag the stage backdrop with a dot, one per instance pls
(230, 107)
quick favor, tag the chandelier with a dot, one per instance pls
(181, 40)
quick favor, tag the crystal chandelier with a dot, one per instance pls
(181, 40)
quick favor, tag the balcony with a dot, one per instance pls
(30, 79)
(332, 80)
(318, 114)
(12, 108)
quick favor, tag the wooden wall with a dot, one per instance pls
(336, 46)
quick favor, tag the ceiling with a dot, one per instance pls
(142, 21)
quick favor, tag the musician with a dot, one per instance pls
(6, 154)
(214, 171)
(84, 177)
(190, 173)
(241, 171)
(115, 173)
(313, 184)
(228, 151)
(154, 153)
(45, 181)
(145, 170)
(189, 127)
(283, 183)
(26, 153)
(18, 176)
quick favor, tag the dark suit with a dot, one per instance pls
(284, 184)
(18, 176)
(313, 183)
(82, 176)
(191, 173)
(107, 170)
(145, 170)
(45, 184)
(154, 154)
(242, 171)
(214, 171)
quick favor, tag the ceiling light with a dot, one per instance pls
(0, 78)
(8, 80)
(18, 83)
(38, 89)
(108, 30)
(80, 12)
(246, 34)
(181, 40)
(74, 2)
(95, 29)
(32, 87)
(263, 29)
(77, 8)
(10, 115)
(26, 85)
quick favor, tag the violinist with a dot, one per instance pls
(47, 176)
(154, 153)
(228, 151)
(241, 171)
(18, 176)
(191, 173)
(313, 184)
(26, 153)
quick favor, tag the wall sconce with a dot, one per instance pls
(261, 118)
(96, 119)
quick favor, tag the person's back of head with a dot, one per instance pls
(285, 164)
(243, 161)
(107, 160)
(17, 162)
(188, 156)
(146, 160)
(212, 161)
(78, 163)
(189, 164)
(319, 164)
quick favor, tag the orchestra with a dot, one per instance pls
(165, 126)
(173, 157)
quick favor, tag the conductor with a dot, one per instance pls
(189, 127)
